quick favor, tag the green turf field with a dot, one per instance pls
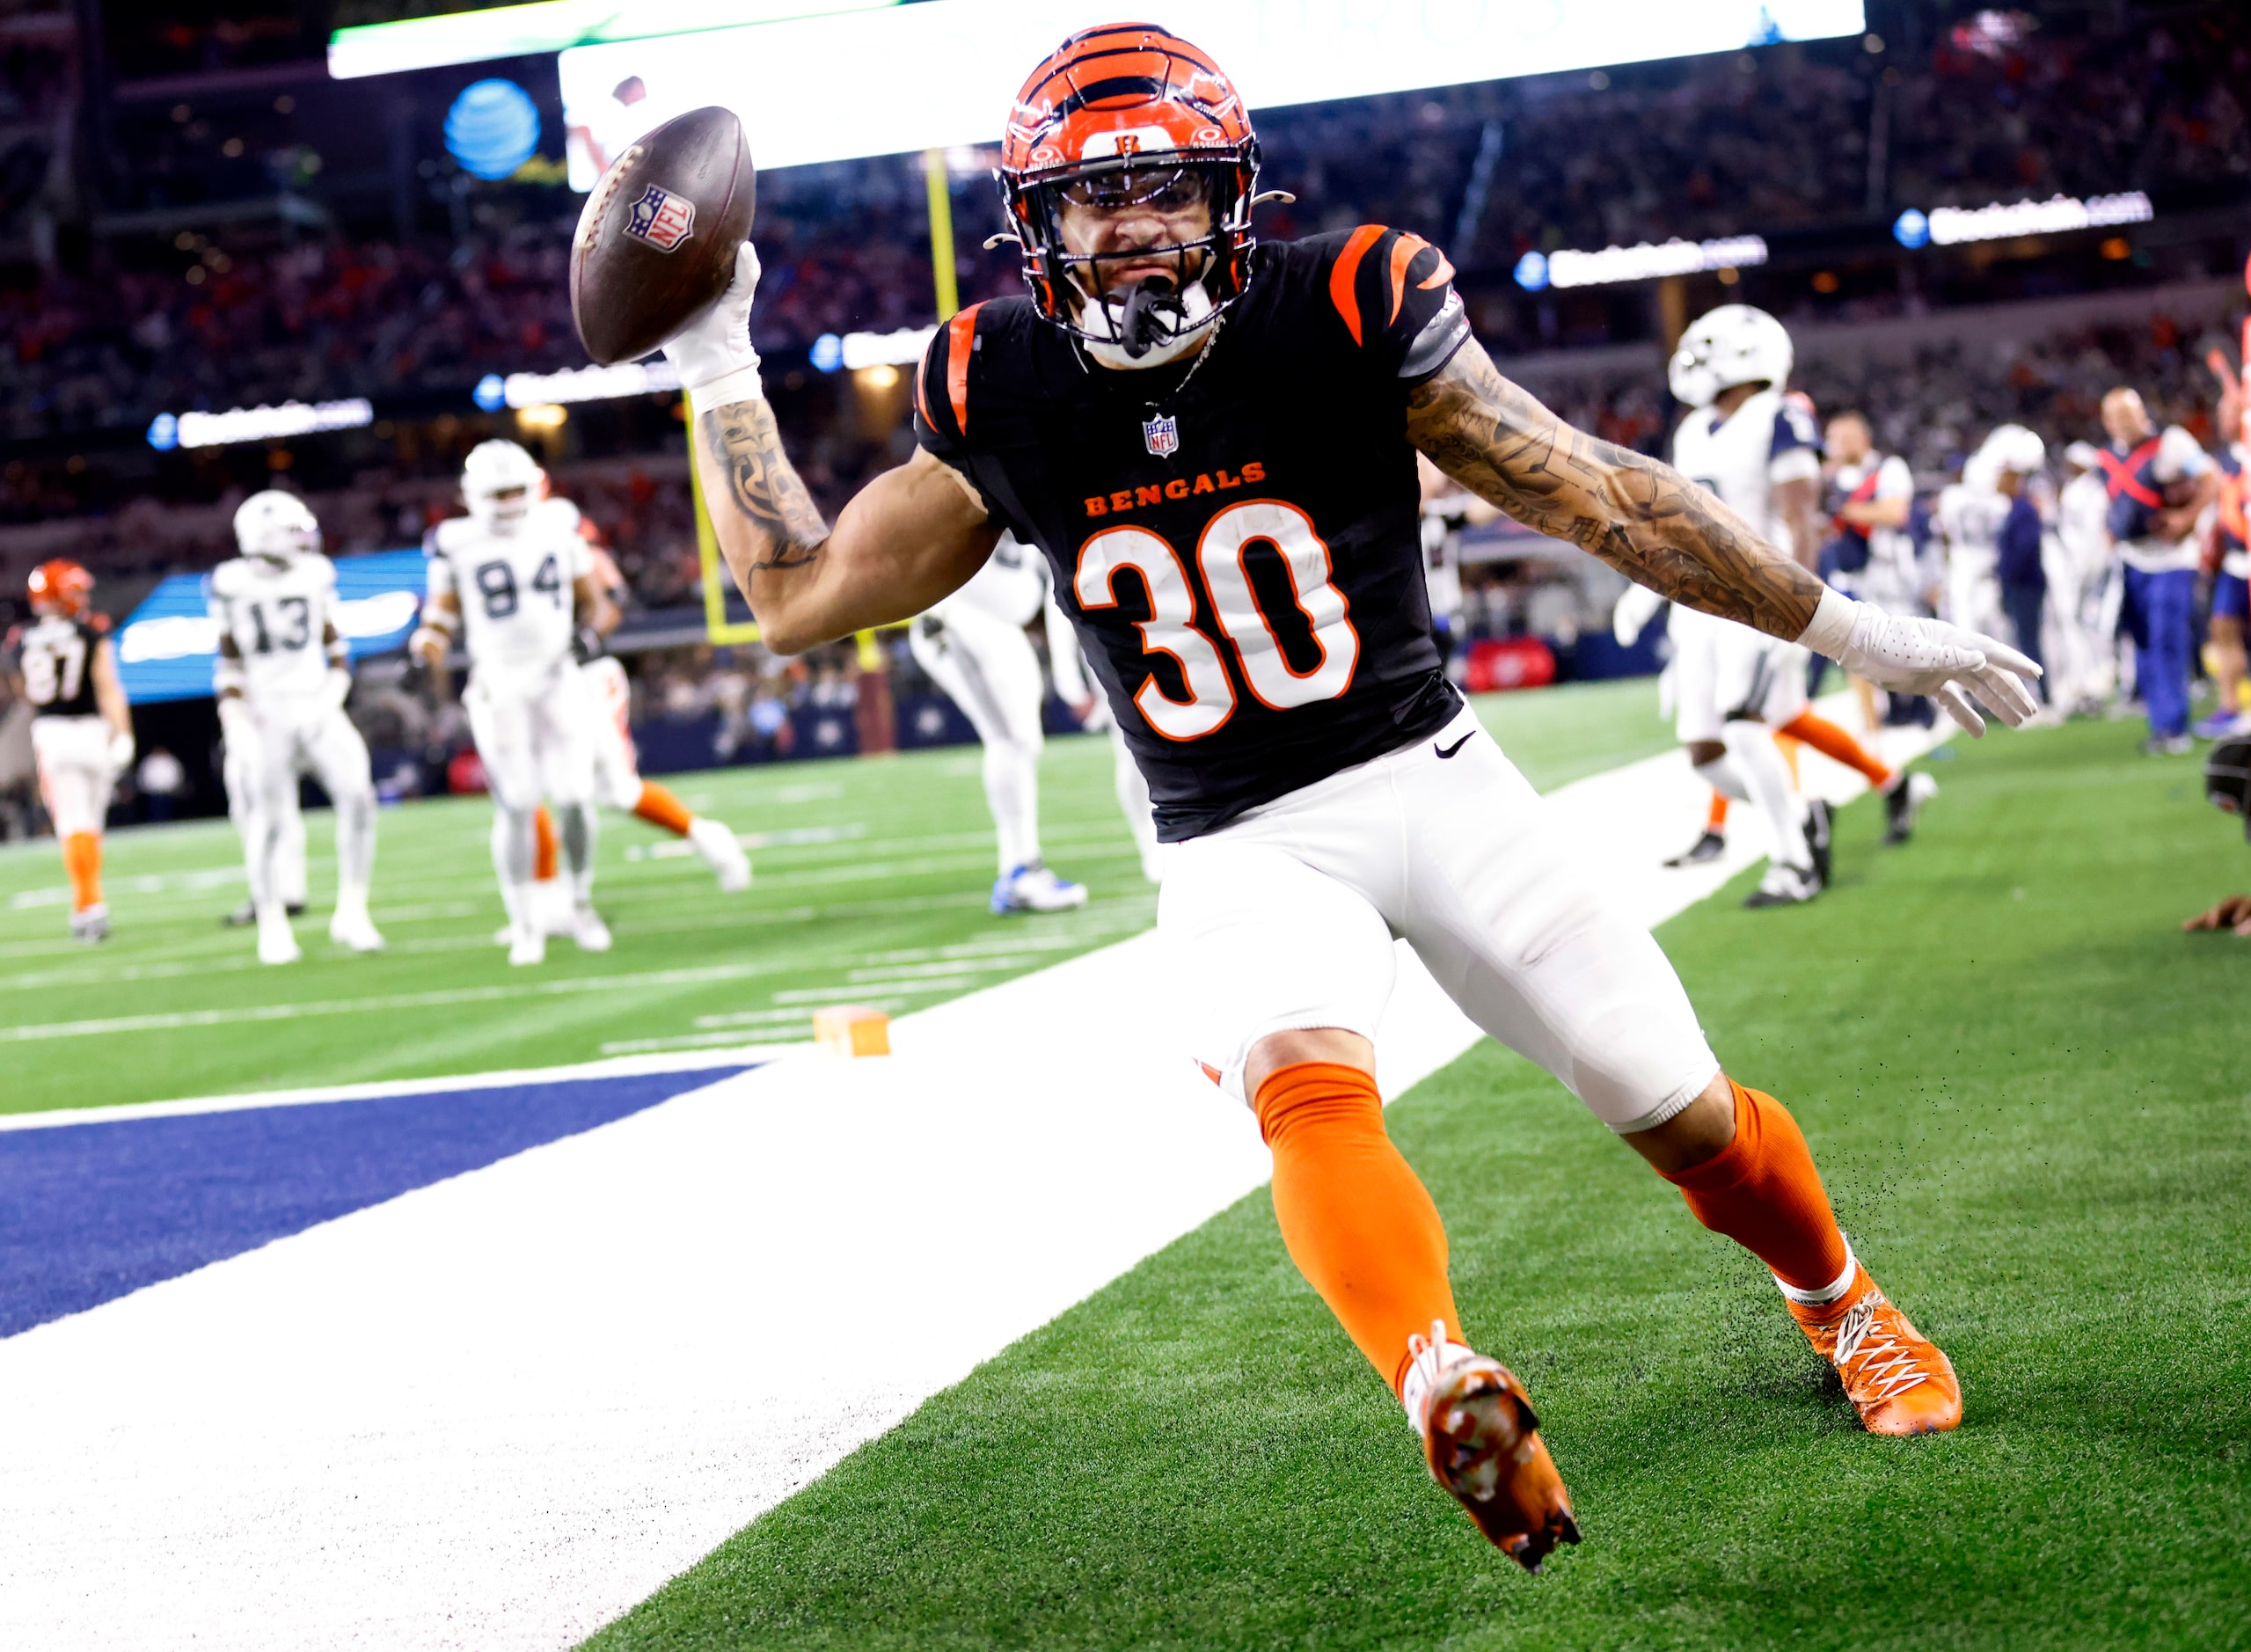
(2020, 1079)
(872, 882)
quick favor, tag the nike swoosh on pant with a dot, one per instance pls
(1447, 751)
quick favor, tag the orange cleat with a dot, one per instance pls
(1899, 1382)
(1480, 1438)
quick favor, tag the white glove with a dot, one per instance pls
(1637, 606)
(120, 751)
(336, 688)
(1925, 656)
(713, 355)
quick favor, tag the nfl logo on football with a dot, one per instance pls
(661, 218)
(1162, 433)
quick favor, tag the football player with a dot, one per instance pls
(973, 645)
(82, 729)
(283, 674)
(2159, 484)
(2082, 585)
(1749, 442)
(1213, 442)
(515, 583)
(617, 782)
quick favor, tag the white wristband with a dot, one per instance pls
(1830, 628)
(741, 384)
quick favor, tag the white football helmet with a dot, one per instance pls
(276, 527)
(1731, 346)
(2014, 448)
(500, 483)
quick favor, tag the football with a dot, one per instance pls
(656, 241)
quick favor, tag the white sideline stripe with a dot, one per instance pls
(499, 1411)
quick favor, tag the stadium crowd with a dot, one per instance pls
(1692, 148)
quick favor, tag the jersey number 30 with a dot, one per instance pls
(1220, 560)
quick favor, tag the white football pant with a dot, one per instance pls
(1284, 919)
(988, 668)
(1722, 672)
(75, 776)
(609, 705)
(286, 742)
(1733, 686)
(533, 736)
(289, 849)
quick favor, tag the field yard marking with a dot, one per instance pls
(764, 1042)
(497, 1411)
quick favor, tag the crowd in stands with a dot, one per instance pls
(1693, 148)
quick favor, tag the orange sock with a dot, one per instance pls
(1358, 1221)
(544, 858)
(81, 860)
(1764, 1193)
(1790, 750)
(1716, 820)
(1832, 742)
(659, 807)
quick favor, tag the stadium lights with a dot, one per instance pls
(1949, 226)
(943, 74)
(651, 377)
(167, 431)
(856, 350)
(1564, 268)
(549, 25)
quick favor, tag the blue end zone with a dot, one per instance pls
(91, 1211)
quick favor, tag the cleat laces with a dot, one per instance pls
(1888, 1367)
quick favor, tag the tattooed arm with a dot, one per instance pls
(1642, 517)
(908, 538)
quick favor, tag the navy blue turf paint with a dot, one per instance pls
(91, 1211)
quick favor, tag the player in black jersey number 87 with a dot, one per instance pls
(1213, 442)
(82, 730)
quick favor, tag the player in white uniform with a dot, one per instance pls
(514, 582)
(2082, 586)
(617, 782)
(1733, 686)
(973, 645)
(82, 729)
(1969, 517)
(282, 679)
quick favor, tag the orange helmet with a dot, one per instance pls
(61, 587)
(1128, 113)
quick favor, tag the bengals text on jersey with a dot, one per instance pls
(1235, 534)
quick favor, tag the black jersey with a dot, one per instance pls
(1237, 538)
(56, 657)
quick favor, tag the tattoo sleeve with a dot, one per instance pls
(764, 486)
(1642, 517)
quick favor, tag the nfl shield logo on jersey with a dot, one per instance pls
(1162, 433)
(661, 218)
